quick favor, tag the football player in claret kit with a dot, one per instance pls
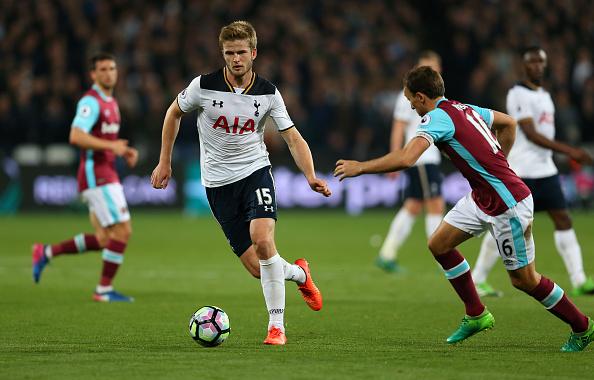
(424, 188)
(531, 158)
(95, 131)
(233, 105)
(499, 202)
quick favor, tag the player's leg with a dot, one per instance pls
(487, 258)
(459, 225)
(570, 251)
(399, 231)
(83, 242)
(430, 177)
(110, 212)
(513, 233)
(250, 261)
(434, 214)
(272, 277)
(402, 224)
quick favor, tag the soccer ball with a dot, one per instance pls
(209, 326)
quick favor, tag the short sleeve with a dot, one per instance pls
(436, 126)
(402, 109)
(87, 113)
(518, 107)
(189, 99)
(279, 114)
(485, 113)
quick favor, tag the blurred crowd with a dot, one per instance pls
(338, 63)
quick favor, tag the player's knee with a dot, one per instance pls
(263, 243)
(563, 222)
(121, 233)
(102, 239)
(435, 246)
(525, 283)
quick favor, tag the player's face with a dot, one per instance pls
(417, 101)
(535, 64)
(239, 57)
(431, 62)
(105, 74)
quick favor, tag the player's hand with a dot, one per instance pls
(346, 168)
(319, 186)
(119, 147)
(131, 157)
(581, 156)
(161, 175)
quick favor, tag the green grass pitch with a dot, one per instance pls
(373, 325)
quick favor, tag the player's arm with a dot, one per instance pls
(162, 173)
(505, 130)
(304, 161)
(396, 160)
(580, 155)
(84, 140)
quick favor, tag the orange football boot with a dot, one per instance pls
(309, 291)
(275, 337)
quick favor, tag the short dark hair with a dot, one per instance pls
(425, 80)
(102, 56)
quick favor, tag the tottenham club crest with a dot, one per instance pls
(257, 105)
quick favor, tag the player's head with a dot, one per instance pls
(422, 87)
(104, 71)
(431, 59)
(534, 60)
(238, 43)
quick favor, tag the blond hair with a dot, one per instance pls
(238, 30)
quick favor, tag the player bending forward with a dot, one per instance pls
(233, 104)
(499, 202)
(95, 131)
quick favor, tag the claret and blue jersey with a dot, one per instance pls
(99, 116)
(463, 133)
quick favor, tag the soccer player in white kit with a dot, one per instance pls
(424, 187)
(233, 105)
(531, 157)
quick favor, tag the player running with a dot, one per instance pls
(233, 105)
(424, 188)
(95, 131)
(532, 159)
(499, 202)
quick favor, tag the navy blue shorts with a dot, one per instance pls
(547, 193)
(424, 182)
(236, 204)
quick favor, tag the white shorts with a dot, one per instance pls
(107, 203)
(512, 230)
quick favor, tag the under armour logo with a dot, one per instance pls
(269, 208)
(219, 103)
(257, 105)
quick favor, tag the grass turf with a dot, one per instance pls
(373, 325)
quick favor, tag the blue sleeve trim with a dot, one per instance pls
(438, 125)
(87, 113)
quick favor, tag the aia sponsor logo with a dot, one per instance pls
(107, 128)
(235, 128)
(546, 118)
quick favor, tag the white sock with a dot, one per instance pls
(48, 251)
(399, 231)
(272, 278)
(103, 289)
(431, 223)
(571, 253)
(293, 272)
(486, 259)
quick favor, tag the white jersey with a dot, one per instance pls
(527, 159)
(404, 112)
(231, 125)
